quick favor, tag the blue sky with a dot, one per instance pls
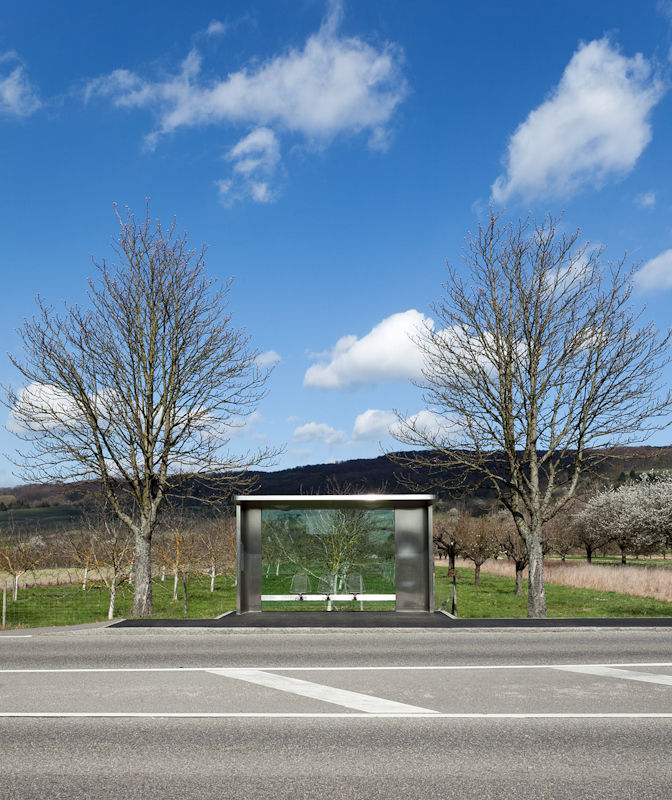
(333, 157)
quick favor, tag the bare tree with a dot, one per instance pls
(560, 536)
(176, 545)
(139, 389)
(477, 540)
(109, 547)
(216, 539)
(19, 558)
(80, 551)
(537, 366)
(513, 544)
(444, 529)
(326, 544)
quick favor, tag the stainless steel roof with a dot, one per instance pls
(282, 501)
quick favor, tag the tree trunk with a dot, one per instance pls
(15, 589)
(113, 597)
(175, 578)
(86, 575)
(142, 599)
(212, 578)
(536, 591)
(184, 591)
(624, 558)
(477, 574)
(519, 580)
(589, 554)
(334, 589)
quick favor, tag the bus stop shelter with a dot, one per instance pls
(397, 545)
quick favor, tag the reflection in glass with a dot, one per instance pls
(328, 551)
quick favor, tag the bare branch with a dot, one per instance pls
(142, 388)
(537, 368)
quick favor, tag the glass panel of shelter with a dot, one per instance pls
(328, 558)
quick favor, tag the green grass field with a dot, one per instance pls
(68, 605)
(495, 598)
(38, 520)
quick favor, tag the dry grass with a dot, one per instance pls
(653, 582)
(53, 576)
(60, 576)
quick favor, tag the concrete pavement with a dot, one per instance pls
(417, 714)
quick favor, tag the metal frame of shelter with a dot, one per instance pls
(413, 548)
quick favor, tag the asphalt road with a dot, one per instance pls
(464, 714)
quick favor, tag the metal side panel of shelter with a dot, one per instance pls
(391, 535)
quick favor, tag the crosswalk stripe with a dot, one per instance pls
(623, 674)
(317, 691)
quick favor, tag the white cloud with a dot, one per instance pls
(312, 431)
(255, 159)
(387, 352)
(243, 425)
(656, 273)
(594, 125)
(334, 85)
(664, 7)
(261, 192)
(18, 98)
(268, 358)
(646, 200)
(373, 423)
(259, 150)
(40, 406)
(429, 424)
(216, 28)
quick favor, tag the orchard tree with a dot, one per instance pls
(139, 389)
(444, 530)
(560, 536)
(477, 540)
(536, 367)
(659, 496)
(636, 516)
(216, 541)
(108, 544)
(20, 557)
(513, 544)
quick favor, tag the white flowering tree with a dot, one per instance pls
(637, 517)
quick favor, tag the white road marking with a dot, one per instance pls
(316, 691)
(279, 668)
(317, 715)
(624, 674)
(16, 636)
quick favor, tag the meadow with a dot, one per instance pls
(606, 591)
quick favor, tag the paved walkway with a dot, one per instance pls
(385, 619)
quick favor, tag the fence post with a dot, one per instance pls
(4, 605)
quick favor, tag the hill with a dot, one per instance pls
(53, 506)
